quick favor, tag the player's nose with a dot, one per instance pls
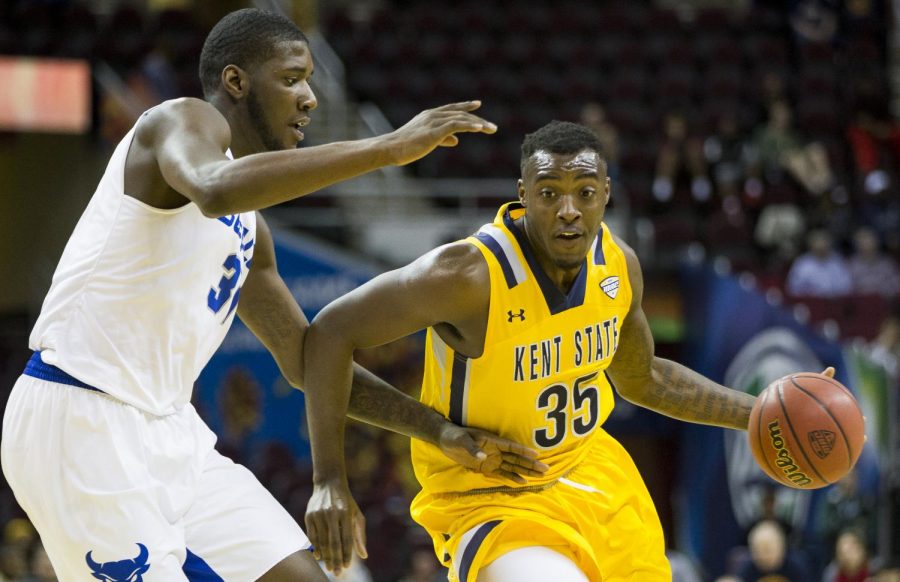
(307, 101)
(568, 210)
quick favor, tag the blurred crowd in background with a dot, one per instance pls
(762, 131)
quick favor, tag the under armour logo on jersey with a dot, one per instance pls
(130, 570)
(610, 286)
(511, 315)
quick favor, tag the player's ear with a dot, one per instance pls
(520, 186)
(608, 192)
(235, 81)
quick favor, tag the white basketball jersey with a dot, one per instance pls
(142, 297)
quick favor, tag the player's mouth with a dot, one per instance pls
(297, 125)
(569, 235)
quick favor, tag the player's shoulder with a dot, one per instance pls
(460, 259)
(457, 267)
(631, 258)
(182, 112)
(181, 106)
(633, 265)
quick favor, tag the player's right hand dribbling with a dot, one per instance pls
(433, 128)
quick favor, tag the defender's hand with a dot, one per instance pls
(433, 128)
(490, 454)
(335, 525)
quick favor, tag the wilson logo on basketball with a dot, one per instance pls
(822, 441)
(785, 461)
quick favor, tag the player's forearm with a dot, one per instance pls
(262, 180)
(375, 402)
(328, 375)
(681, 393)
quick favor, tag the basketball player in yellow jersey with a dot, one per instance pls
(530, 322)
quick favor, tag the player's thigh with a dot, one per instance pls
(75, 461)
(298, 566)
(532, 564)
(238, 531)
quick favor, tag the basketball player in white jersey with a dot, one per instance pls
(100, 442)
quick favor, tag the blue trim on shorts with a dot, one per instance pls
(474, 545)
(197, 570)
(37, 368)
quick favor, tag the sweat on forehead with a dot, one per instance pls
(560, 137)
(586, 159)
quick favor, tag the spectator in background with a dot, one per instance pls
(680, 155)
(814, 21)
(874, 137)
(724, 151)
(13, 563)
(846, 505)
(769, 556)
(779, 148)
(889, 572)
(594, 116)
(18, 537)
(821, 271)
(779, 231)
(873, 272)
(851, 559)
(41, 569)
(885, 349)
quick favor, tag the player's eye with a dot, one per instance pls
(547, 193)
(290, 81)
(588, 192)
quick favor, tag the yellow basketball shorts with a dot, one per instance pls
(600, 516)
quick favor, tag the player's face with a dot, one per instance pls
(565, 197)
(280, 98)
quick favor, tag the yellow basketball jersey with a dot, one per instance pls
(541, 379)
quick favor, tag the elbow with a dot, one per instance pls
(215, 196)
(632, 388)
(294, 376)
(213, 204)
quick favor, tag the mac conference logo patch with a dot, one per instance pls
(822, 442)
(610, 286)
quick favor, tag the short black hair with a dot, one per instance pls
(561, 137)
(244, 38)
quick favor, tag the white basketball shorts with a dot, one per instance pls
(119, 494)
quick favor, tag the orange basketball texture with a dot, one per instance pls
(806, 430)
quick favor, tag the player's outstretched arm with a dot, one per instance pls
(189, 137)
(663, 385)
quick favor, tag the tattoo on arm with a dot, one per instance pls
(681, 393)
(375, 402)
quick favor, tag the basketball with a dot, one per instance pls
(806, 430)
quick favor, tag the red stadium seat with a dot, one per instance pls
(863, 315)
